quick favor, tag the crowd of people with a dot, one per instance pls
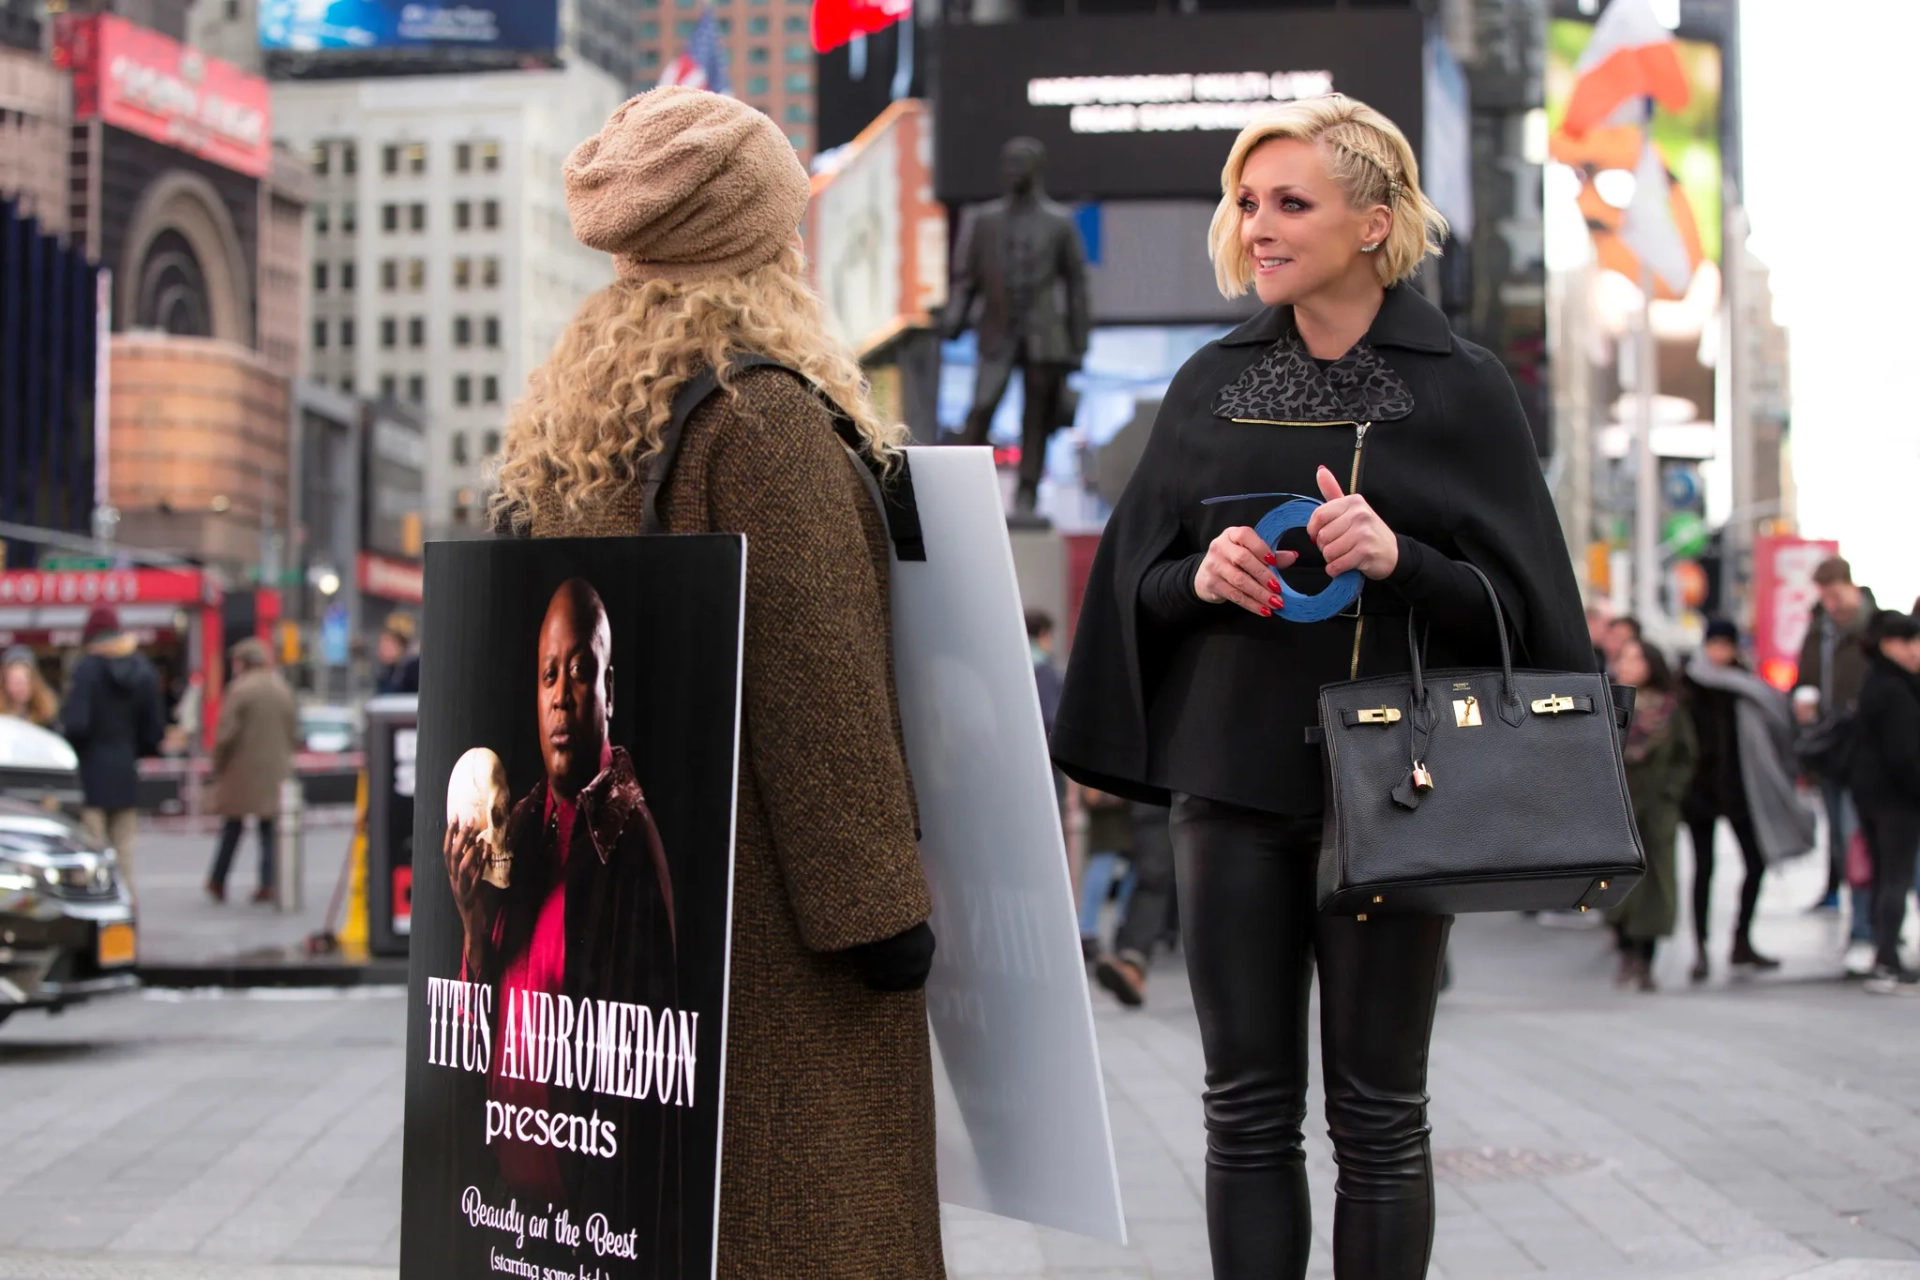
(1716, 743)
(114, 713)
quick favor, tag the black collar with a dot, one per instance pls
(1406, 319)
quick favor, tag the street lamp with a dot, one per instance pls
(328, 582)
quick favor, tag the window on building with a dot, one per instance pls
(346, 332)
(416, 274)
(416, 217)
(799, 53)
(756, 84)
(416, 157)
(416, 332)
(346, 385)
(490, 393)
(389, 386)
(320, 219)
(319, 277)
(490, 272)
(349, 276)
(390, 159)
(490, 442)
(683, 28)
(462, 331)
(459, 448)
(463, 507)
(349, 217)
(232, 10)
(795, 24)
(649, 28)
(685, 4)
(796, 113)
(462, 215)
(726, 26)
(463, 157)
(798, 140)
(320, 335)
(758, 55)
(417, 388)
(799, 82)
(759, 25)
(462, 389)
(389, 217)
(349, 158)
(490, 157)
(462, 272)
(389, 274)
(389, 332)
(490, 214)
(322, 155)
(490, 328)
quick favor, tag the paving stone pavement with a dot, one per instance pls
(1744, 1130)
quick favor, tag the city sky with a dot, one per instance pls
(1828, 169)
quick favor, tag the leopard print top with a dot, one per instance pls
(1287, 385)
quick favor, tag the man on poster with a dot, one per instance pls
(586, 913)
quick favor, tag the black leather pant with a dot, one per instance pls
(1253, 940)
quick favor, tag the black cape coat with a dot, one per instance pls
(1166, 694)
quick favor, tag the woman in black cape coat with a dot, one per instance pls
(1191, 684)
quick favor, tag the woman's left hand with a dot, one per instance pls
(1351, 534)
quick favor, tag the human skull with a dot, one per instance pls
(477, 796)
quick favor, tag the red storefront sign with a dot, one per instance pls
(398, 580)
(146, 83)
(1783, 601)
(105, 586)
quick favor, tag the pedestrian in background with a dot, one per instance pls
(1745, 775)
(24, 692)
(113, 716)
(1660, 752)
(1833, 666)
(829, 1167)
(1886, 787)
(253, 750)
(1144, 913)
(1109, 841)
(399, 665)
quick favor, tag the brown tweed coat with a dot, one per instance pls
(828, 1157)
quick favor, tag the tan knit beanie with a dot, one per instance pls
(681, 184)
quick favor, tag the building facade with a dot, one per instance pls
(768, 48)
(442, 264)
(33, 137)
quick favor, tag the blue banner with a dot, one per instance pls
(365, 25)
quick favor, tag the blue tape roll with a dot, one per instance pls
(1301, 607)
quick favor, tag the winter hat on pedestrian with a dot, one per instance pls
(1722, 629)
(102, 620)
(682, 185)
(18, 656)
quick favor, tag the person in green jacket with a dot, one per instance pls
(1660, 751)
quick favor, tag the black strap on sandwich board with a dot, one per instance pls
(895, 483)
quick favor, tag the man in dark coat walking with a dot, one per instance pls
(1023, 261)
(113, 716)
(1833, 665)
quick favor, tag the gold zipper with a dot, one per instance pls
(1353, 486)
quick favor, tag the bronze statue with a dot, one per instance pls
(1022, 260)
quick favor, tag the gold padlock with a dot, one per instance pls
(1422, 777)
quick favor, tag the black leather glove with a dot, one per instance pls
(899, 963)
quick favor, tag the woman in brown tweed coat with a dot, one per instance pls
(828, 1158)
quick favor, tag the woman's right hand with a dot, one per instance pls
(1240, 568)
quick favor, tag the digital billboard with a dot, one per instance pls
(1147, 106)
(365, 26)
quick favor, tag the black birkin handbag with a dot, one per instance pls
(1464, 790)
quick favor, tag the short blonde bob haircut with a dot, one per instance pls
(1366, 155)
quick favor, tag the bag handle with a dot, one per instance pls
(897, 502)
(1511, 709)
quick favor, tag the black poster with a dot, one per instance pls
(572, 880)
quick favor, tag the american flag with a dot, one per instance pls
(701, 64)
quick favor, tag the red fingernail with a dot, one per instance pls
(1270, 559)
(1266, 613)
(1276, 602)
(1273, 584)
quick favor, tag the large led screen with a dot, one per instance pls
(1147, 106)
(319, 26)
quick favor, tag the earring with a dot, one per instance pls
(1368, 248)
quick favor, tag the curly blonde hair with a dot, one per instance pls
(594, 412)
